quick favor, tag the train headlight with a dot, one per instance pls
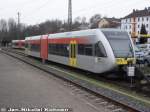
(121, 61)
(124, 61)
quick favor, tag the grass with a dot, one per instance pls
(145, 70)
(133, 95)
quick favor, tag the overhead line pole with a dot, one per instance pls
(70, 15)
(18, 25)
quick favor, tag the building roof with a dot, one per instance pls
(139, 13)
(112, 19)
(112, 22)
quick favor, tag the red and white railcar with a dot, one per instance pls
(18, 44)
(94, 50)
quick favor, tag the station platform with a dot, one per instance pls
(23, 86)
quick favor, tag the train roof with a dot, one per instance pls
(18, 41)
(83, 32)
(33, 37)
(74, 33)
(65, 34)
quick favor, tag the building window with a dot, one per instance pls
(147, 18)
(138, 32)
(130, 26)
(142, 18)
(138, 19)
(146, 25)
(138, 26)
(126, 20)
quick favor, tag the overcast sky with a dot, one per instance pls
(36, 11)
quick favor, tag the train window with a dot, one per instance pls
(81, 49)
(16, 44)
(85, 49)
(35, 48)
(100, 50)
(88, 50)
(116, 35)
(23, 44)
(50, 48)
(65, 50)
(58, 49)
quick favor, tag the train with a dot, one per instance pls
(93, 50)
(18, 44)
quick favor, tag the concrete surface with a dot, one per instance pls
(23, 86)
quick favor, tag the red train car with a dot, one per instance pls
(37, 46)
(19, 44)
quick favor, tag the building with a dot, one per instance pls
(109, 23)
(132, 23)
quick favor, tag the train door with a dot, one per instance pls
(73, 54)
(44, 47)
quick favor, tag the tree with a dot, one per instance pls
(12, 30)
(84, 20)
(76, 23)
(143, 31)
(3, 29)
(52, 26)
(94, 21)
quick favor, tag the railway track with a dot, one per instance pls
(84, 88)
(120, 81)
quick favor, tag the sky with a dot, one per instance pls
(37, 11)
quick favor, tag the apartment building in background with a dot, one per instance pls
(132, 23)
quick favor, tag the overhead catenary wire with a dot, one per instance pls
(106, 6)
(36, 10)
(83, 11)
(108, 3)
(65, 15)
(22, 4)
(20, 8)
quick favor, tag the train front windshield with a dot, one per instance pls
(120, 43)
